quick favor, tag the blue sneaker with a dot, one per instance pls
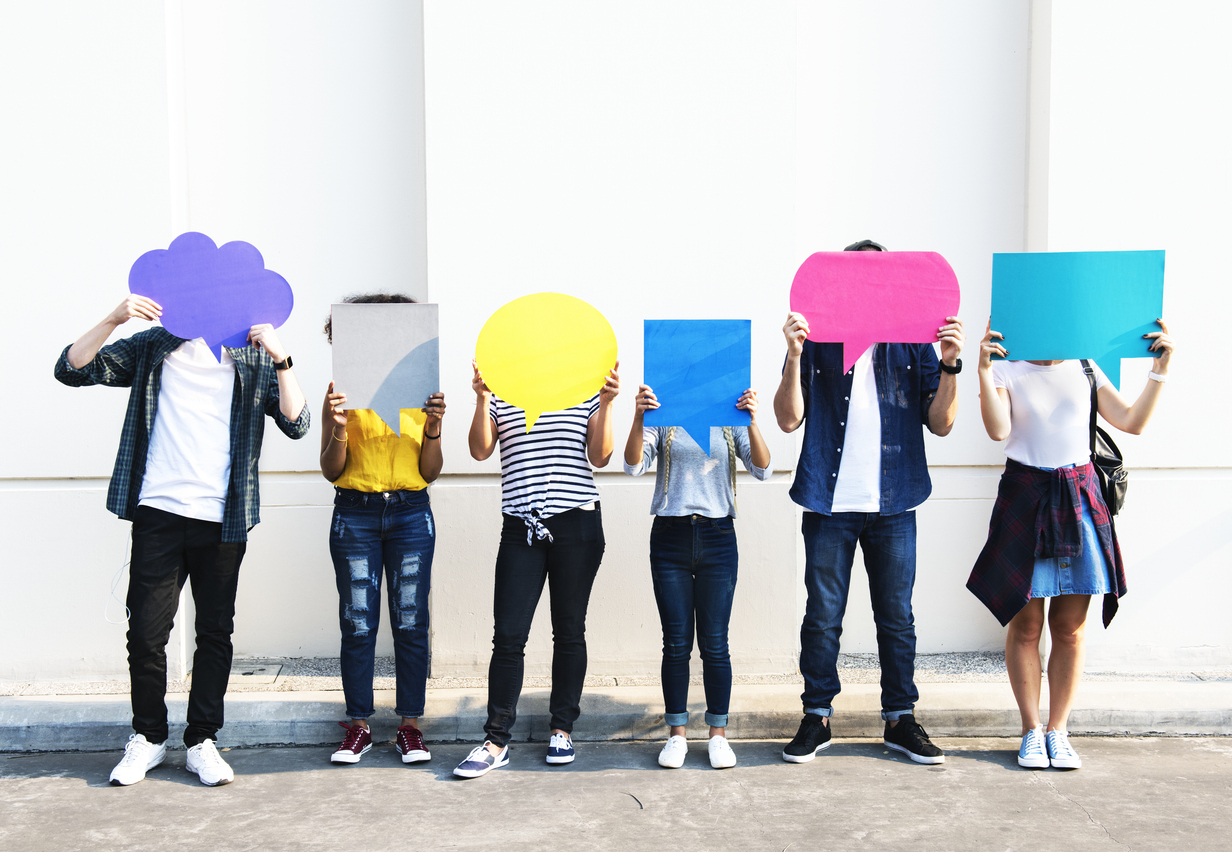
(560, 749)
(1061, 753)
(481, 761)
(1031, 754)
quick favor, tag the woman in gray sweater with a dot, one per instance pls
(693, 559)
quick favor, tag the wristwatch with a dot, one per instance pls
(283, 365)
(946, 368)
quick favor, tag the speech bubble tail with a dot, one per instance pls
(215, 347)
(699, 431)
(852, 350)
(391, 416)
(531, 417)
(1111, 365)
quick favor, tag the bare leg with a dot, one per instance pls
(1022, 660)
(1067, 616)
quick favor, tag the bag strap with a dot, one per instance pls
(1090, 371)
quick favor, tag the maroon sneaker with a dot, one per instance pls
(354, 745)
(411, 745)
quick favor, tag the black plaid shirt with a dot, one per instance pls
(137, 362)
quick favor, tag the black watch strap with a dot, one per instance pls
(283, 365)
(953, 371)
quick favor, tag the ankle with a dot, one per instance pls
(718, 732)
(360, 723)
(676, 731)
(409, 723)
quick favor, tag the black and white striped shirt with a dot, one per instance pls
(544, 471)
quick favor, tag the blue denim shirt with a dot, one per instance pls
(907, 376)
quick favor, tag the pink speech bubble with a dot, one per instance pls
(858, 298)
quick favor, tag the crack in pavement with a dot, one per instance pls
(1094, 821)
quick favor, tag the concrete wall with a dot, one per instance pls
(658, 159)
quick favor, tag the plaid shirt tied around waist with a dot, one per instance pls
(137, 362)
(1038, 515)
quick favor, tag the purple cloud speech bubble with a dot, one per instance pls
(209, 291)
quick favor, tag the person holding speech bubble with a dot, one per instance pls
(1051, 534)
(552, 531)
(693, 559)
(382, 523)
(186, 477)
(862, 472)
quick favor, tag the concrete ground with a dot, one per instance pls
(1132, 794)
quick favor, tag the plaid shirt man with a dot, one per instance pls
(137, 362)
(1038, 515)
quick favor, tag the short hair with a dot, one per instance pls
(865, 244)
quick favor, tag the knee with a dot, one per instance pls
(1025, 631)
(1067, 634)
(713, 649)
(677, 649)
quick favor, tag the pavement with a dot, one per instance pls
(1133, 793)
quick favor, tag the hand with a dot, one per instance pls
(335, 404)
(262, 336)
(748, 402)
(611, 386)
(796, 330)
(477, 383)
(645, 401)
(952, 340)
(135, 306)
(1162, 347)
(434, 407)
(988, 347)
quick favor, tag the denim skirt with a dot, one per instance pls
(1074, 575)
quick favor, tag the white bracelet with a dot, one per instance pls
(1154, 376)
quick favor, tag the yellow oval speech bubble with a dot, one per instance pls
(545, 352)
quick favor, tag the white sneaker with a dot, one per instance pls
(1061, 753)
(140, 756)
(674, 751)
(721, 754)
(204, 759)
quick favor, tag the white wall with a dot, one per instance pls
(658, 159)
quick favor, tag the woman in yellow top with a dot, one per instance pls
(382, 523)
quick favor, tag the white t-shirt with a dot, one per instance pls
(188, 464)
(858, 487)
(1050, 411)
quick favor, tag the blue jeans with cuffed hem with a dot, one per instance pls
(889, 546)
(390, 534)
(693, 562)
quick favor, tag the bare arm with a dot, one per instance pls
(333, 434)
(83, 351)
(430, 458)
(994, 401)
(789, 399)
(1133, 418)
(944, 407)
(482, 437)
(646, 401)
(600, 441)
(758, 451)
(291, 399)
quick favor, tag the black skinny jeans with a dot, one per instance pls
(569, 563)
(167, 550)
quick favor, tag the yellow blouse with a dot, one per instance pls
(379, 460)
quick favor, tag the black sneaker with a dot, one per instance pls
(813, 736)
(909, 737)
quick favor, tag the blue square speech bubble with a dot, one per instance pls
(698, 369)
(1078, 304)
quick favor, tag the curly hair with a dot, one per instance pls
(366, 299)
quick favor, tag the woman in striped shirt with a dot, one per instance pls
(553, 531)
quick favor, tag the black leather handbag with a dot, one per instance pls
(1106, 456)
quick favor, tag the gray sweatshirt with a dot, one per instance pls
(699, 484)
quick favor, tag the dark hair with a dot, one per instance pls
(366, 299)
(863, 244)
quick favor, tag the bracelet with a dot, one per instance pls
(334, 434)
(1154, 376)
(432, 437)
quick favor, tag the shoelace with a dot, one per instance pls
(480, 754)
(209, 753)
(559, 741)
(134, 752)
(410, 739)
(1059, 741)
(354, 733)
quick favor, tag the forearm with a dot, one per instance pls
(600, 441)
(788, 398)
(758, 451)
(83, 351)
(333, 451)
(992, 409)
(431, 459)
(633, 446)
(944, 407)
(481, 439)
(1136, 416)
(290, 398)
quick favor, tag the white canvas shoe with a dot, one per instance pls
(721, 754)
(140, 756)
(204, 759)
(674, 751)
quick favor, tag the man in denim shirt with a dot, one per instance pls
(861, 485)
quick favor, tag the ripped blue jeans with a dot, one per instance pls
(390, 533)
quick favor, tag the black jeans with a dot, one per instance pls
(569, 563)
(167, 550)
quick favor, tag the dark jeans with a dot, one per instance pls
(168, 550)
(888, 543)
(693, 564)
(393, 529)
(569, 563)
